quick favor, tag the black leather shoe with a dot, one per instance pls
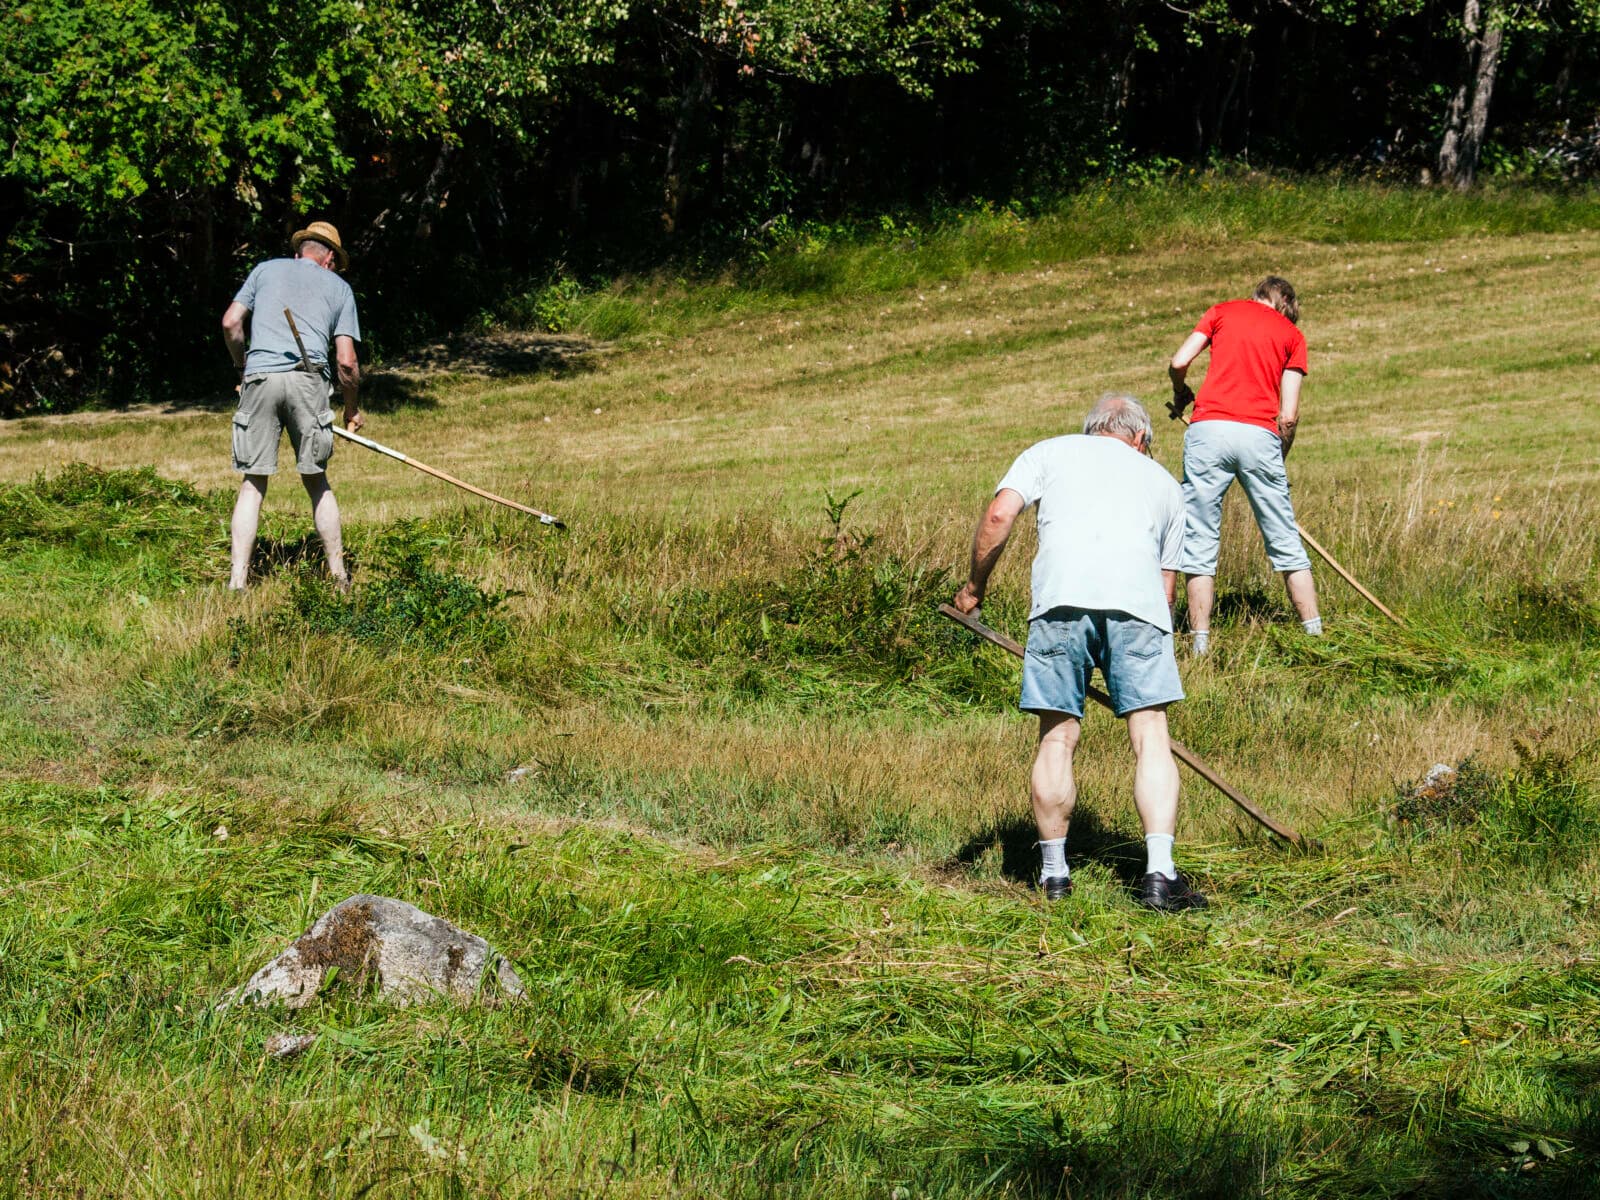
(1168, 895)
(1058, 888)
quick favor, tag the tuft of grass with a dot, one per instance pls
(409, 604)
(846, 616)
(114, 516)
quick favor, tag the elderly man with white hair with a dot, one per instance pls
(1111, 523)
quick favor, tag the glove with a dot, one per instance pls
(1180, 401)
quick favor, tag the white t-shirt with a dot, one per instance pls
(1110, 521)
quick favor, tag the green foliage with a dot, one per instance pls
(846, 612)
(409, 605)
(823, 40)
(113, 99)
(111, 515)
(160, 149)
(550, 308)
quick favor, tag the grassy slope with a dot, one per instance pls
(763, 886)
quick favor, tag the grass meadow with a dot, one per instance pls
(751, 819)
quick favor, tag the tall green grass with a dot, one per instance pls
(1185, 211)
(766, 1024)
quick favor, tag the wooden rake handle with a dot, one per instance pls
(379, 448)
(1179, 751)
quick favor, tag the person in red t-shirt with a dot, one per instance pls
(1243, 426)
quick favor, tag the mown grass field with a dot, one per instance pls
(752, 820)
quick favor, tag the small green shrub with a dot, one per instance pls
(847, 611)
(411, 603)
(549, 307)
(1538, 812)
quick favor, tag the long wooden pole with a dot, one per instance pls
(378, 447)
(305, 365)
(1346, 576)
(1181, 752)
(1329, 559)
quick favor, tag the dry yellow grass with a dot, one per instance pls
(1447, 433)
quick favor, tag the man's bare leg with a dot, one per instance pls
(1155, 774)
(1054, 793)
(1303, 595)
(1202, 592)
(246, 520)
(1155, 794)
(325, 516)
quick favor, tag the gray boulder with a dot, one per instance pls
(408, 954)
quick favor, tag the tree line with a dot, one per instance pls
(464, 146)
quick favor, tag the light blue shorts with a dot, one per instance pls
(1215, 453)
(1066, 644)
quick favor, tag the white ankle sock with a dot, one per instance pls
(1158, 854)
(1200, 641)
(1313, 626)
(1054, 855)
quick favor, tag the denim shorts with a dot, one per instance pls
(1066, 644)
(1215, 453)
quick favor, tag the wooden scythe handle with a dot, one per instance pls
(1181, 752)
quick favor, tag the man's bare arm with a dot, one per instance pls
(349, 380)
(233, 332)
(1289, 408)
(1169, 581)
(994, 530)
(1178, 370)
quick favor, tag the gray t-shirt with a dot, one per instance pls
(1110, 521)
(324, 308)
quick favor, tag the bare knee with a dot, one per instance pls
(1059, 732)
(1147, 731)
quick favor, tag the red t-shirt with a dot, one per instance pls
(1252, 345)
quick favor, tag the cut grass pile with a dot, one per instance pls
(768, 1022)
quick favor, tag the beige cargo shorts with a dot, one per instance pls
(269, 404)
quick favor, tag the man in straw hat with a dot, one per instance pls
(281, 390)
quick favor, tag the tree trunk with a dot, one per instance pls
(1468, 115)
(695, 96)
(435, 193)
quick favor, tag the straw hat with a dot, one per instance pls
(321, 231)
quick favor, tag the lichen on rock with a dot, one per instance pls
(406, 955)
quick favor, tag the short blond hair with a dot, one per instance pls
(1279, 292)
